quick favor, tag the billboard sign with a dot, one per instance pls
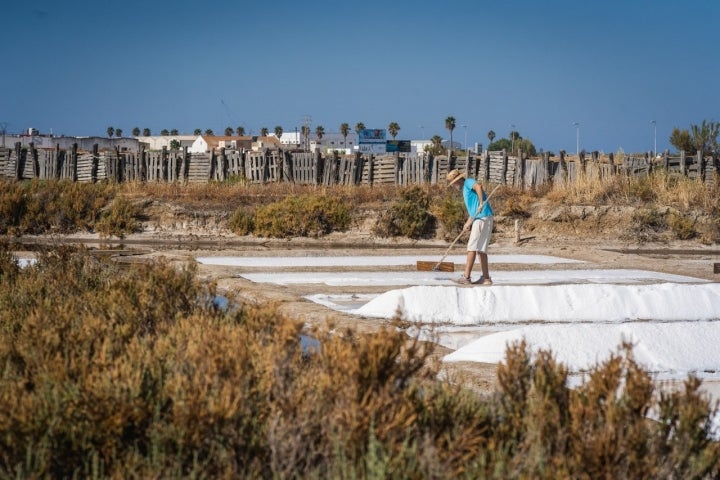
(398, 146)
(372, 135)
(369, 148)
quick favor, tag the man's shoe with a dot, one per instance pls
(463, 280)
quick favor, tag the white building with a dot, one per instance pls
(290, 138)
(419, 145)
(157, 142)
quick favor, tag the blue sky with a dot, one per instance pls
(76, 67)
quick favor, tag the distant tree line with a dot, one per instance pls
(698, 138)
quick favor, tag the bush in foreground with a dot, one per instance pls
(134, 372)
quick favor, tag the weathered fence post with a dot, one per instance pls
(320, 167)
(357, 169)
(486, 160)
(503, 176)
(18, 160)
(33, 153)
(371, 165)
(73, 162)
(161, 174)
(172, 165)
(399, 178)
(94, 163)
(683, 166)
(564, 170)
(287, 166)
(57, 163)
(184, 165)
(701, 166)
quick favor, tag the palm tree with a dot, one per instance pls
(209, 132)
(278, 131)
(491, 137)
(118, 132)
(263, 132)
(228, 131)
(240, 131)
(146, 132)
(319, 131)
(450, 125)
(344, 130)
(174, 131)
(110, 131)
(164, 132)
(359, 126)
(136, 132)
(393, 128)
(197, 131)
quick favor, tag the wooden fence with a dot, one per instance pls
(314, 169)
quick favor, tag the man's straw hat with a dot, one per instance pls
(453, 176)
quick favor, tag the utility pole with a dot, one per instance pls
(577, 138)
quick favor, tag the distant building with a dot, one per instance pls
(328, 143)
(157, 142)
(66, 143)
(419, 145)
(290, 139)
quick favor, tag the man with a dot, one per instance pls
(479, 222)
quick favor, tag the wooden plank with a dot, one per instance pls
(716, 268)
(425, 266)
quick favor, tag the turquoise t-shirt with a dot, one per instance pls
(472, 201)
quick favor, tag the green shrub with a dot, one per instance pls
(304, 216)
(408, 217)
(642, 188)
(120, 219)
(12, 204)
(682, 226)
(59, 206)
(451, 212)
(242, 222)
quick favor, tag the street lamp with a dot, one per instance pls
(654, 124)
(422, 130)
(577, 138)
(465, 145)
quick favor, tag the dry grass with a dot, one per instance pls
(659, 188)
(688, 209)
